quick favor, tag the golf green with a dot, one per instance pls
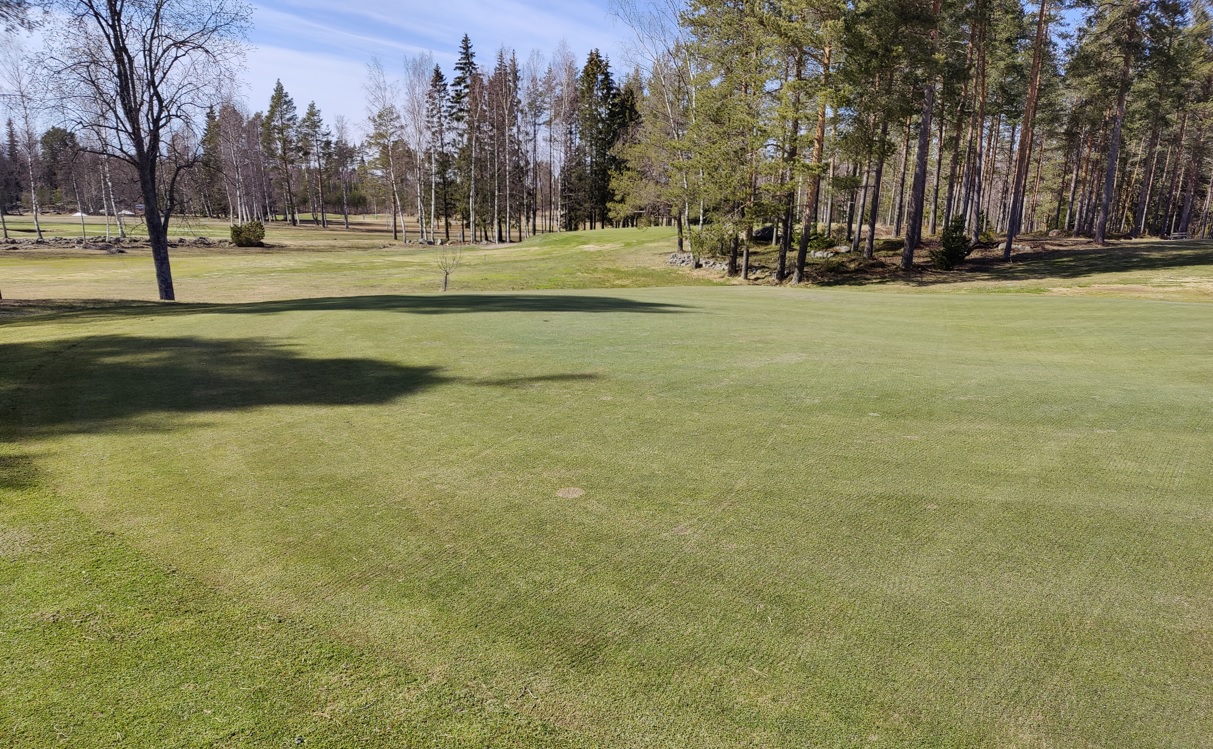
(656, 517)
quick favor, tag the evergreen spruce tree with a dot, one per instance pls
(279, 138)
(437, 113)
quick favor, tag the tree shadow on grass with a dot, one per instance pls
(1058, 263)
(114, 382)
(101, 382)
(16, 471)
(108, 383)
(1078, 262)
(445, 304)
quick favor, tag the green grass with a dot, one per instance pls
(335, 264)
(828, 517)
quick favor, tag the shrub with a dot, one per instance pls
(248, 235)
(888, 245)
(954, 246)
(817, 240)
(712, 239)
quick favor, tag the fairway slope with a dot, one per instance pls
(654, 517)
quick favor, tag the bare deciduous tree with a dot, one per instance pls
(386, 135)
(416, 85)
(24, 98)
(145, 71)
(448, 259)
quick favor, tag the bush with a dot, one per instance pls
(954, 247)
(888, 245)
(248, 235)
(817, 240)
(712, 239)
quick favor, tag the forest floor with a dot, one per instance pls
(587, 499)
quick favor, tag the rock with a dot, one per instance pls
(842, 248)
(1055, 233)
(822, 253)
(683, 259)
(764, 234)
(688, 260)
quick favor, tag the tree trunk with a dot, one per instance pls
(897, 204)
(814, 197)
(869, 249)
(1024, 158)
(938, 174)
(345, 198)
(918, 193)
(1147, 180)
(157, 231)
(863, 202)
(851, 199)
(1190, 193)
(829, 222)
(33, 199)
(1174, 176)
(1109, 181)
(745, 253)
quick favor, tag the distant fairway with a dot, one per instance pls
(320, 506)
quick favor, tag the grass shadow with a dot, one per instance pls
(114, 382)
(1038, 263)
(102, 382)
(1070, 263)
(445, 304)
(522, 382)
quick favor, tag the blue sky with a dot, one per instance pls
(320, 49)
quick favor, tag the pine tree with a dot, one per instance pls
(279, 138)
(211, 163)
(437, 111)
(315, 146)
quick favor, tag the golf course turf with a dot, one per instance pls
(321, 511)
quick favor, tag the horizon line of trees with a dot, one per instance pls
(495, 154)
(801, 123)
(831, 119)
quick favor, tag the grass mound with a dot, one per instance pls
(808, 518)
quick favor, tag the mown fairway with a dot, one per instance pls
(805, 517)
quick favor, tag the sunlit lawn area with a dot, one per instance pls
(589, 500)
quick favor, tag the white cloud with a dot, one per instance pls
(320, 52)
(334, 83)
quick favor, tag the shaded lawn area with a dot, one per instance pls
(823, 518)
(1057, 265)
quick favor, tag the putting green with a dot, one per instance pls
(805, 518)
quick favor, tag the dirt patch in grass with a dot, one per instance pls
(15, 543)
(13, 308)
(570, 492)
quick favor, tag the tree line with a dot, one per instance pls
(831, 120)
(494, 154)
(799, 123)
